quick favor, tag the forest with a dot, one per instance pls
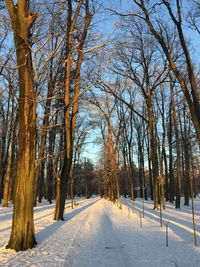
(98, 100)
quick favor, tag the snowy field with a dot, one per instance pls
(98, 234)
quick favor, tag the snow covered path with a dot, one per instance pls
(112, 238)
(98, 234)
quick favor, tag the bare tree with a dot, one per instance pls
(190, 90)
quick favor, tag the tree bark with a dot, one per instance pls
(23, 234)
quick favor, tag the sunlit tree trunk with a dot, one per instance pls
(23, 235)
(61, 187)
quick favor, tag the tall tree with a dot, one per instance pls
(71, 94)
(23, 235)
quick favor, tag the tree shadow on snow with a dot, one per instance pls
(176, 224)
(49, 230)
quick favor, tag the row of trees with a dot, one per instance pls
(49, 60)
(57, 87)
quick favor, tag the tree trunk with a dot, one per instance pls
(23, 234)
(187, 156)
(161, 178)
(71, 101)
(7, 181)
(51, 172)
(40, 160)
(171, 173)
(178, 169)
(153, 150)
(9, 171)
(149, 166)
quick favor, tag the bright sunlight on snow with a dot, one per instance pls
(97, 233)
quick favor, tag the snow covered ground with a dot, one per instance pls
(97, 233)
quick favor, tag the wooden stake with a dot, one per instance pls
(167, 234)
(140, 220)
(193, 215)
(160, 198)
(143, 192)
